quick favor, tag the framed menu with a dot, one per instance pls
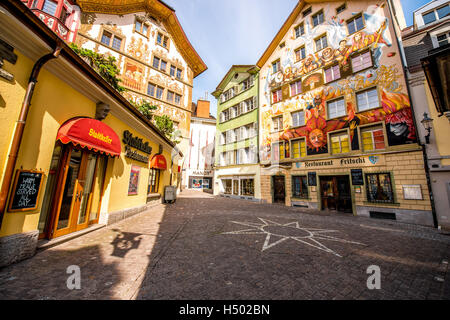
(26, 190)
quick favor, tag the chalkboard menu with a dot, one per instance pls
(312, 179)
(26, 189)
(357, 177)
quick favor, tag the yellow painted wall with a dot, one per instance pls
(53, 103)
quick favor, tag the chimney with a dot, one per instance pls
(203, 108)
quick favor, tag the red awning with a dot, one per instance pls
(158, 162)
(91, 134)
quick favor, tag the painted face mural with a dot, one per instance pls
(381, 80)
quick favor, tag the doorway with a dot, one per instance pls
(279, 190)
(74, 191)
(335, 193)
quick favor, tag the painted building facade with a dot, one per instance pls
(74, 153)
(237, 169)
(157, 61)
(199, 164)
(429, 39)
(336, 125)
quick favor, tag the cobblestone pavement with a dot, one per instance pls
(203, 247)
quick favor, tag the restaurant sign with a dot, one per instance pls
(137, 143)
(350, 162)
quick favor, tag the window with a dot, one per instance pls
(50, 7)
(64, 15)
(321, 43)
(298, 118)
(367, 100)
(277, 123)
(317, 19)
(247, 83)
(361, 61)
(332, 73)
(159, 92)
(443, 11)
(429, 17)
(163, 66)
(151, 89)
(341, 8)
(443, 39)
(355, 24)
(106, 38)
(170, 96)
(179, 73)
(372, 138)
(300, 53)
(177, 98)
(153, 181)
(340, 143)
(173, 70)
(299, 30)
(296, 88)
(276, 66)
(307, 11)
(247, 187)
(156, 61)
(336, 108)
(162, 40)
(280, 151)
(140, 27)
(299, 187)
(282, 45)
(111, 40)
(298, 148)
(227, 186)
(379, 188)
(276, 96)
(34, 5)
(117, 43)
(227, 95)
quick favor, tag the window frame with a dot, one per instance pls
(333, 101)
(164, 38)
(279, 94)
(318, 13)
(300, 27)
(292, 141)
(278, 64)
(299, 49)
(341, 8)
(141, 30)
(353, 20)
(323, 35)
(339, 133)
(302, 195)
(297, 84)
(153, 188)
(333, 78)
(111, 40)
(391, 185)
(280, 123)
(292, 117)
(367, 90)
(359, 54)
(368, 127)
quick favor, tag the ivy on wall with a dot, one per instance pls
(105, 66)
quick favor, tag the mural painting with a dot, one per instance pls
(394, 105)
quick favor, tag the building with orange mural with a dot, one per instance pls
(337, 129)
(156, 59)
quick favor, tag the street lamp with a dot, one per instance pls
(426, 122)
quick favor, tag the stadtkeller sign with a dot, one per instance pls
(137, 143)
(350, 162)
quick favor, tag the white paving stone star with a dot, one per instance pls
(277, 233)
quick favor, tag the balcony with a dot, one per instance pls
(53, 23)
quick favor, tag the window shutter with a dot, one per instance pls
(255, 101)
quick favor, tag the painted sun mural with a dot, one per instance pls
(373, 41)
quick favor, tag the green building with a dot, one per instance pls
(237, 168)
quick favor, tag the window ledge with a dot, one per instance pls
(153, 196)
(381, 204)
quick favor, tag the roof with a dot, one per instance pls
(233, 70)
(42, 31)
(158, 9)
(285, 28)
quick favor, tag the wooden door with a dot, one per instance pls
(279, 191)
(328, 193)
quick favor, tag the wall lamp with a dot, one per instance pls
(426, 122)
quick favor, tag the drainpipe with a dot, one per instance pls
(423, 146)
(20, 127)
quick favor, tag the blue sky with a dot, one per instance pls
(237, 32)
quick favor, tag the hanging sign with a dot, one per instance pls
(26, 189)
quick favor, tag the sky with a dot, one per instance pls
(231, 32)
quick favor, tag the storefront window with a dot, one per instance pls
(227, 186)
(379, 188)
(98, 188)
(299, 187)
(236, 187)
(153, 181)
(247, 187)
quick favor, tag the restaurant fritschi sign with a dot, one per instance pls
(353, 162)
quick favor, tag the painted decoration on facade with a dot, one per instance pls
(133, 75)
(356, 60)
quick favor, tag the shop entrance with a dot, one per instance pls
(335, 193)
(77, 185)
(75, 182)
(279, 191)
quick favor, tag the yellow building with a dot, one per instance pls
(74, 153)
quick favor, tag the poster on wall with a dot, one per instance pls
(134, 180)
